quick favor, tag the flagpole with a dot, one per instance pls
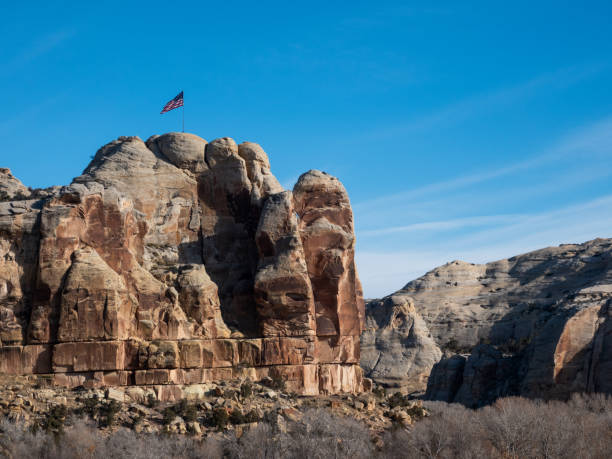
(183, 114)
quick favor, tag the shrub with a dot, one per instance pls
(168, 415)
(190, 414)
(452, 346)
(246, 389)
(278, 382)
(219, 418)
(108, 412)
(511, 428)
(152, 401)
(137, 420)
(398, 399)
(82, 440)
(319, 435)
(17, 441)
(514, 427)
(397, 421)
(187, 411)
(236, 417)
(416, 411)
(379, 391)
(55, 419)
(89, 406)
(260, 442)
(322, 434)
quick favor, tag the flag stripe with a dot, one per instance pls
(174, 103)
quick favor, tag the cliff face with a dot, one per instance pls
(537, 325)
(178, 261)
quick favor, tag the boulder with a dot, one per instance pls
(258, 170)
(185, 151)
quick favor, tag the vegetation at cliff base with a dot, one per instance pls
(511, 428)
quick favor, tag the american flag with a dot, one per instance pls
(174, 103)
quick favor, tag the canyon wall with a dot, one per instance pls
(536, 325)
(176, 262)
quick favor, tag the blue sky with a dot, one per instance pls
(462, 130)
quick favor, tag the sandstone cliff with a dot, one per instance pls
(539, 324)
(176, 261)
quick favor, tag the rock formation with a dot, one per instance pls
(176, 261)
(397, 348)
(10, 187)
(538, 325)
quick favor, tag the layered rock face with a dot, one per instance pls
(537, 325)
(397, 348)
(176, 261)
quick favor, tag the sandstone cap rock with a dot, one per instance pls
(221, 150)
(184, 150)
(11, 187)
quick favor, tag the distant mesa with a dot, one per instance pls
(535, 325)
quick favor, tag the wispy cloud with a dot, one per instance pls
(593, 139)
(35, 49)
(443, 225)
(383, 272)
(387, 260)
(28, 113)
(481, 103)
(584, 220)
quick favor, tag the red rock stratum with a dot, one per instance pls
(176, 261)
